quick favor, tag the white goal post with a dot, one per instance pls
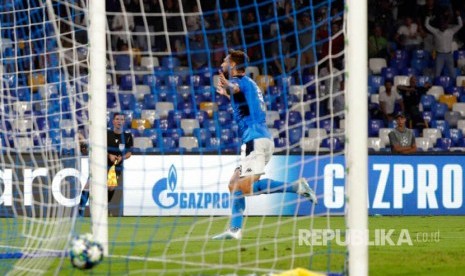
(357, 133)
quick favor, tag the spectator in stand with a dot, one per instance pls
(402, 139)
(174, 24)
(443, 38)
(122, 28)
(409, 35)
(337, 103)
(155, 22)
(251, 35)
(122, 58)
(388, 99)
(281, 48)
(140, 37)
(307, 54)
(199, 47)
(194, 21)
(216, 22)
(378, 44)
(411, 95)
(334, 47)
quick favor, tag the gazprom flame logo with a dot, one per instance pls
(165, 196)
(161, 186)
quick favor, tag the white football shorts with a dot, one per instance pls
(255, 155)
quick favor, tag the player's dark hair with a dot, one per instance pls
(240, 58)
(117, 114)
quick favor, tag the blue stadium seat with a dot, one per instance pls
(149, 101)
(279, 124)
(226, 136)
(443, 144)
(207, 92)
(374, 126)
(185, 92)
(388, 73)
(154, 134)
(332, 143)
(410, 71)
(443, 126)
(427, 101)
(400, 54)
(271, 96)
(41, 124)
(161, 124)
(284, 82)
(122, 62)
(444, 81)
(221, 101)
(439, 110)
(418, 65)
(170, 62)
(457, 91)
(201, 116)
(421, 54)
(456, 136)
(310, 115)
(376, 81)
(127, 101)
(153, 81)
(398, 63)
(295, 134)
(202, 136)
(174, 133)
(126, 82)
(183, 73)
(427, 116)
(213, 144)
(173, 81)
(459, 55)
(21, 93)
(160, 73)
(167, 145)
(211, 125)
(309, 81)
(294, 118)
(195, 81)
(422, 80)
(280, 142)
(327, 124)
(281, 108)
(224, 117)
(174, 118)
(205, 74)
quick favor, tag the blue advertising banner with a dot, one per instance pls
(398, 185)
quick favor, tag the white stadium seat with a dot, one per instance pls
(188, 143)
(432, 134)
(376, 64)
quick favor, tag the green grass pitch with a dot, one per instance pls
(181, 246)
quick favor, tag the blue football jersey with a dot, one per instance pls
(249, 109)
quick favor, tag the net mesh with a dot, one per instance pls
(162, 64)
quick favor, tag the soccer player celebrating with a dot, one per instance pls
(249, 111)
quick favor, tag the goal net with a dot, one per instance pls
(162, 63)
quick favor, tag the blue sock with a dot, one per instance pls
(84, 199)
(237, 208)
(269, 186)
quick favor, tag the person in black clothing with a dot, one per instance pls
(411, 95)
(119, 145)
